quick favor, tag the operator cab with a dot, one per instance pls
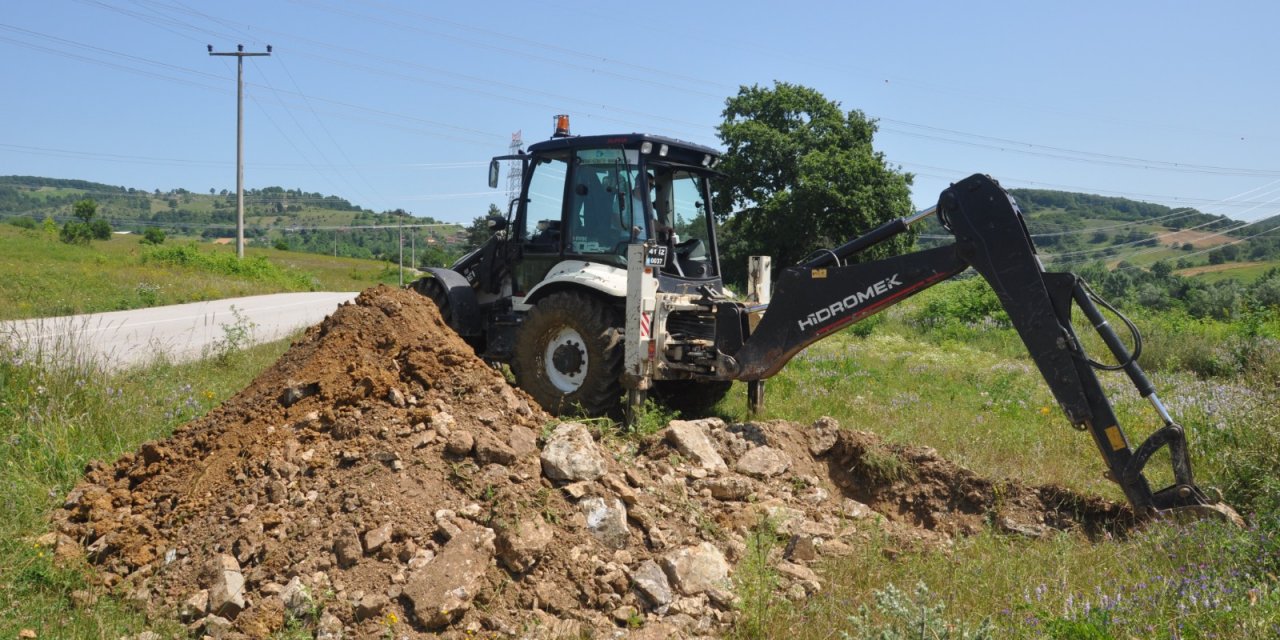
(590, 197)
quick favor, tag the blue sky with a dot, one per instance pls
(396, 104)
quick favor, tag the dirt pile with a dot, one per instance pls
(381, 480)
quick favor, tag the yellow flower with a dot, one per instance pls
(1044, 411)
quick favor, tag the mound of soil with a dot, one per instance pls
(380, 479)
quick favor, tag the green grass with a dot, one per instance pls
(970, 391)
(58, 413)
(1167, 582)
(45, 277)
(1244, 272)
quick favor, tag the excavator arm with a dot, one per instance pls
(824, 294)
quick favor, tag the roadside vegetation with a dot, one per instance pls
(59, 410)
(44, 276)
(959, 382)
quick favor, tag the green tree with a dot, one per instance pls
(478, 233)
(84, 228)
(802, 174)
(153, 235)
(1161, 269)
(84, 209)
(100, 229)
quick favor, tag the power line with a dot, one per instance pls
(179, 24)
(1064, 152)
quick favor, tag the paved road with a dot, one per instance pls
(183, 332)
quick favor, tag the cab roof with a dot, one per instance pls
(628, 140)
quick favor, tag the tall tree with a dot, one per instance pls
(802, 175)
(479, 231)
(84, 209)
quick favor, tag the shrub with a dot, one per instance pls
(75, 232)
(23, 222)
(153, 236)
(969, 301)
(251, 267)
(919, 616)
(100, 229)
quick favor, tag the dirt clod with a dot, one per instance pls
(379, 478)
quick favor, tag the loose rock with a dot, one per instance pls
(443, 590)
(763, 462)
(607, 521)
(226, 595)
(695, 569)
(690, 439)
(571, 454)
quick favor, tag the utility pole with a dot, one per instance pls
(239, 54)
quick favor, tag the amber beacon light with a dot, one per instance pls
(562, 126)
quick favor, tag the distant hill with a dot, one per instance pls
(274, 216)
(1074, 228)
(1068, 228)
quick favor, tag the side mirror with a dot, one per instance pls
(496, 223)
(493, 173)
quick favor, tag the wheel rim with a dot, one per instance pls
(565, 360)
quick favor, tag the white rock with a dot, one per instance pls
(607, 521)
(690, 439)
(226, 596)
(571, 454)
(763, 462)
(695, 569)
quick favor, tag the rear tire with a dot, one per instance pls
(690, 398)
(569, 354)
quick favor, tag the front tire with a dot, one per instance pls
(432, 288)
(569, 355)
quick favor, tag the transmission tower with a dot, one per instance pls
(515, 168)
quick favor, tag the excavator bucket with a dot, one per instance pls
(1214, 511)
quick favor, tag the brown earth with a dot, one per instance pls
(1215, 268)
(380, 479)
(1198, 239)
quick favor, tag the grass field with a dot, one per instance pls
(1242, 271)
(45, 277)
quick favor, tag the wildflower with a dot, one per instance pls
(208, 395)
(1044, 411)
